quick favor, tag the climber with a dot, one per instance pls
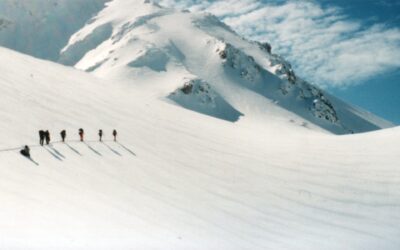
(81, 133)
(100, 134)
(63, 135)
(47, 137)
(26, 151)
(115, 134)
(41, 137)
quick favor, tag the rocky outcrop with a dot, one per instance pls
(290, 85)
(246, 66)
(199, 96)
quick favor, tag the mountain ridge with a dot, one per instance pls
(149, 38)
(141, 38)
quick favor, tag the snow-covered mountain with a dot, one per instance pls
(42, 27)
(211, 69)
(253, 168)
(216, 71)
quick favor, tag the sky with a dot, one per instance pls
(351, 48)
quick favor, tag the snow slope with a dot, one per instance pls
(239, 79)
(178, 179)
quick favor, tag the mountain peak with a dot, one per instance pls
(126, 40)
(141, 38)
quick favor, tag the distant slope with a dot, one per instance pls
(178, 179)
(42, 27)
(134, 38)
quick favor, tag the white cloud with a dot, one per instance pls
(323, 44)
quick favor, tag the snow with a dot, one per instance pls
(178, 179)
(142, 38)
(271, 178)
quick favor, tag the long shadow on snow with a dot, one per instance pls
(127, 149)
(32, 160)
(56, 151)
(112, 150)
(17, 148)
(10, 149)
(73, 149)
(94, 150)
(53, 154)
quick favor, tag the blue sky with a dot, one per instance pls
(379, 94)
(351, 48)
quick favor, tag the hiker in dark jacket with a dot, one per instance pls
(81, 134)
(41, 137)
(26, 151)
(63, 135)
(100, 134)
(47, 137)
(115, 134)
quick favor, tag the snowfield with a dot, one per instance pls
(218, 146)
(178, 179)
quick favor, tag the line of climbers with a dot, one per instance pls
(45, 136)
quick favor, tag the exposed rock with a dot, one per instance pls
(245, 65)
(198, 95)
(187, 88)
(321, 106)
(265, 46)
(249, 70)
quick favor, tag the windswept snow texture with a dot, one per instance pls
(41, 28)
(177, 179)
(144, 39)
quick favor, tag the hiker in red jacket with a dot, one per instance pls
(81, 134)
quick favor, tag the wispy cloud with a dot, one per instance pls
(324, 45)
